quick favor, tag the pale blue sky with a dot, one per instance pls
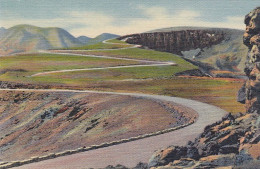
(92, 17)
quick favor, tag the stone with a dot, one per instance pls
(116, 167)
(251, 39)
(193, 153)
(141, 166)
(218, 160)
(184, 162)
(164, 157)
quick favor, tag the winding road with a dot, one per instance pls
(130, 153)
(147, 63)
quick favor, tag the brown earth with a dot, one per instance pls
(39, 123)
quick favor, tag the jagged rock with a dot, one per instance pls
(185, 162)
(116, 167)
(141, 166)
(193, 153)
(163, 157)
(176, 41)
(255, 40)
(217, 160)
(242, 158)
(231, 138)
(251, 39)
(138, 166)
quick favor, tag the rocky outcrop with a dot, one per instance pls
(252, 70)
(176, 41)
(222, 48)
(233, 141)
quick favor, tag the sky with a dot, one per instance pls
(93, 17)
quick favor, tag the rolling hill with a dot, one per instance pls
(84, 39)
(102, 37)
(23, 38)
(28, 38)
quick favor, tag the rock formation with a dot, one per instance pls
(176, 41)
(252, 70)
(222, 48)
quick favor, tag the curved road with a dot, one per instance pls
(129, 154)
(147, 63)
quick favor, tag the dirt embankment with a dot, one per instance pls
(39, 123)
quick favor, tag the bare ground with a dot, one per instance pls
(38, 123)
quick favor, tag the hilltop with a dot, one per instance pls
(22, 38)
(102, 37)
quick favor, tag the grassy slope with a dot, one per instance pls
(125, 73)
(160, 79)
(117, 41)
(32, 63)
(218, 92)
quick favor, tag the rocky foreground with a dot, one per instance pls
(232, 142)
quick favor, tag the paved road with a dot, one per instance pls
(147, 63)
(131, 153)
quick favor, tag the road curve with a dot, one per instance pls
(147, 63)
(129, 154)
(150, 62)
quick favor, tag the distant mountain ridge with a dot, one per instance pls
(23, 38)
(28, 38)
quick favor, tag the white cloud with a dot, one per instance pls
(93, 23)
